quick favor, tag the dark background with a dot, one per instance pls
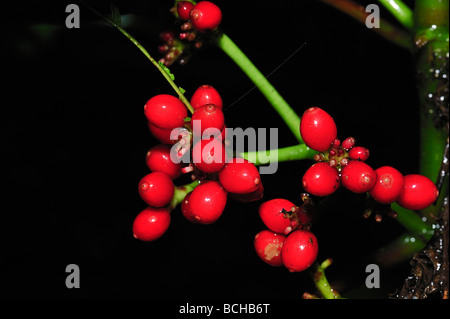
(74, 138)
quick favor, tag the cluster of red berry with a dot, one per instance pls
(219, 175)
(288, 240)
(344, 164)
(196, 20)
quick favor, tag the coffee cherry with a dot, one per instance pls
(186, 208)
(207, 202)
(388, 185)
(300, 250)
(162, 135)
(321, 179)
(156, 189)
(418, 192)
(348, 143)
(184, 9)
(318, 129)
(151, 223)
(249, 197)
(211, 120)
(206, 94)
(158, 160)
(165, 111)
(268, 246)
(274, 215)
(205, 16)
(209, 155)
(358, 177)
(359, 153)
(239, 176)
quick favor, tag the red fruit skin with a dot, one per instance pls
(271, 213)
(239, 176)
(151, 223)
(162, 135)
(318, 129)
(268, 246)
(388, 185)
(165, 111)
(156, 189)
(359, 153)
(249, 197)
(206, 94)
(184, 9)
(158, 160)
(321, 179)
(211, 119)
(358, 177)
(207, 202)
(186, 208)
(205, 16)
(299, 250)
(209, 155)
(418, 192)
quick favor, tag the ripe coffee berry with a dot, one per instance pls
(206, 94)
(268, 246)
(239, 176)
(156, 189)
(162, 135)
(299, 251)
(151, 223)
(249, 197)
(321, 179)
(418, 192)
(205, 16)
(158, 160)
(184, 9)
(209, 155)
(207, 202)
(358, 177)
(318, 129)
(274, 214)
(388, 185)
(348, 143)
(210, 119)
(165, 111)
(186, 208)
(359, 153)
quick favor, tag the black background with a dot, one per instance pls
(74, 137)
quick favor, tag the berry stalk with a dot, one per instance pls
(321, 281)
(180, 193)
(164, 71)
(400, 11)
(290, 153)
(288, 115)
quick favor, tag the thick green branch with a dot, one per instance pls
(400, 11)
(290, 153)
(288, 115)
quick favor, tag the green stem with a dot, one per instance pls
(321, 281)
(145, 52)
(288, 115)
(180, 193)
(290, 153)
(386, 30)
(400, 11)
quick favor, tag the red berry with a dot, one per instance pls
(239, 176)
(273, 214)
(165, 111)
(151, 223)
(268, 246)
(186, 208)
(321, 179)
(359, 153)
(162, 135)
(206, 94)
(388, 185)
(318, 129)
(249, 197)
(358, 177)
(209, 155)
(418, 192)
(211, 120)
(299, 250)
(158, 160)
(348, 143)
(207, 202)
(156, 189)
(184, 9)
(205, 16)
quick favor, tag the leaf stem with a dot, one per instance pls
(288, 115)
(145, 52)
